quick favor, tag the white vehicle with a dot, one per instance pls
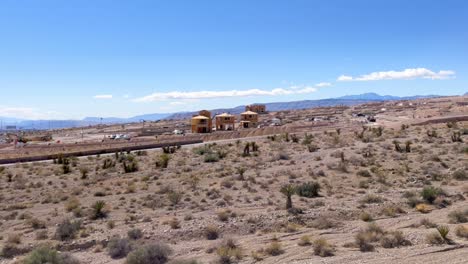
(178, 132)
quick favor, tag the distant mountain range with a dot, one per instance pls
(277, 106)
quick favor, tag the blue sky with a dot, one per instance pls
(71, 59)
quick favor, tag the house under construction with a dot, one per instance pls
(249, 119)
(257, 108)
(225, 121)
(201, 123)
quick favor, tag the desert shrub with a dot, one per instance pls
(434, 238)
(163, 161)
(98, 210)
(322, 248)
(44, 255)
(72, 204)
(443, 231)
(211, 232)
(118, 247)
(427, 223)
(66, 168)
(363, 241)
(394, 239)
(211, 157)
(155, 253)
(371, 198)
(10, 250)
(202, 150)
(108, 163)
(174, 197)
(288, 190)
(366, 217)
(67, 229)
(458, 216)
(364, 173)
(309, 189)
(84, 172)
(228, 252)
(41, 235)
(130, 166)
(304, 241)
(223, 215)
(413, 201)
(307, 139)
(174, 223)
(274, 249)
(14, 238)
(36, 223)
(135, 233)
(462, 231)
(323, 222)
(392, 210)
(365, 238)
(460, 175)
(430, 193)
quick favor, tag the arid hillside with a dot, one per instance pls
(390, 191)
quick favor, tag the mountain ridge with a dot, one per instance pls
(273, 106)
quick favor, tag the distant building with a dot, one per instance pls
(249, 119)
(10, 127)
(225, 122)
(257, 108)
(276, 121)
(201, 123)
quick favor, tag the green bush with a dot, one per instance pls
(211, 157)
(309, 189)
(458, 216)
(163, 161)
(460, 175)
(430, 193)
(118, 247)
(211, 232)
(135, 233)
(98, 210)
(44, 255)
(130, 166)
(67, 229)
(155, 253)
(323, 248)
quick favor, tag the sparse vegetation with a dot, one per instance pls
(155, 253)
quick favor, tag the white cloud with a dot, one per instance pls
(406, 74)
(103, 96)
(223, 94)
(323, 84)
(27, 113)
(177, 103)
(343, 78)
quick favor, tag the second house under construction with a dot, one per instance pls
(201, 123)
(249, 119)
(225, 121)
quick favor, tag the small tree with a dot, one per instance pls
(288, 190)
(408, 146)
(456, 137)
(163, 161)
(98, 210)
(84, 172)
(397, 146)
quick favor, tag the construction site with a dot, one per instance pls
(206, 127)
